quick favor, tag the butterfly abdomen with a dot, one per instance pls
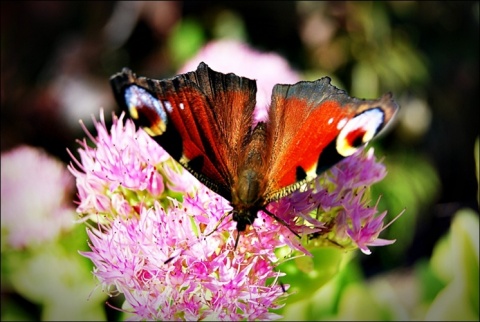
(250, 182)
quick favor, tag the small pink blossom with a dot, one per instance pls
(358, 171)
(127, 160)
(35, 194)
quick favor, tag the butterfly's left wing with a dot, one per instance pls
(200, 118)
(313, 125)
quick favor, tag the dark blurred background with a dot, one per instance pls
(57, 57)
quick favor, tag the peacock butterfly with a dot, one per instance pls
(204, 120)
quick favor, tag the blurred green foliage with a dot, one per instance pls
(53, 276)
(455, 263)
(411, 184)
(185, 40)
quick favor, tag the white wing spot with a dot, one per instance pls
(181, 106)
(168, 106)
(342, 123)
(330, 121)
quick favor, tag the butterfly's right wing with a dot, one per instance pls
(312, 126)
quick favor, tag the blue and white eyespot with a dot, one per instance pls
(359, 130)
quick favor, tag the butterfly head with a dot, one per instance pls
(243, 217)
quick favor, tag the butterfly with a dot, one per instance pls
(204, 120)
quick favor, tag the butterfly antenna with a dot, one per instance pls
(280, 220)
(218, 223)
(236, 240)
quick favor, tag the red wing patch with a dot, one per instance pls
(313, 125)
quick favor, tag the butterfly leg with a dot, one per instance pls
(280, 220)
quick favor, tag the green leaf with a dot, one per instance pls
(459, 300)
(357, 303)
(307, 274)
(429, 282)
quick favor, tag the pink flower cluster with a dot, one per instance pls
(351, 177)
(337, 206)
(155, 236)
(151, 243)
